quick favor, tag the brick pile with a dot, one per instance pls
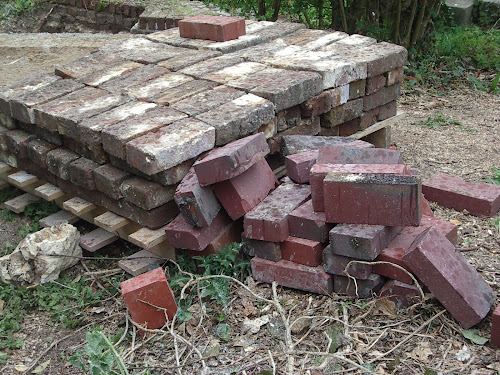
(123, 126)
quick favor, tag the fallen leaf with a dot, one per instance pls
(253, 326)
(300, 326)
(40, 368)
(473, 335)
(386, 307)
(463, 354)
(422, 352)
(456, 222)
(20, 368)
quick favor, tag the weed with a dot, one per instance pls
(9, 193)
(8, 215)
(437, 121)
(8, 248)
(14, 8)
(495, 180)
(491, 87)
(40, 209)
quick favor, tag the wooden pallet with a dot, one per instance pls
(111, 226)
(379, 134)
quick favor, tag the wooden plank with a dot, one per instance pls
(379, 125)
(96, 239)
(78, 206)
(110, 221)
(18, 204)
(140, 262)
(164, 250)
(58, 217)
(21, 179)
(381, 138)
(4, 167)
(146, 237)
(48, 192)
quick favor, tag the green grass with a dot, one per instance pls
(495, 180)
(437, 121)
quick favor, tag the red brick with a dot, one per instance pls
(319, 172)
(233, 159)
(360, 288)
(376, 199)
(16, 142)
(302, 251)
(358, 155)
(402, 242)
(108, 180)
(374, 84)
(241, 194)
(231, 233)
(198, 204)
(403, 295)
(495, 328)
(426, 208)
(325, 101)
(293, 275)
(383, 96)
(387, 111)
(303, 222)
(298, 166)
(146, 194)
(453, 192)
(360, 241)
(395, 76)
(448, 275)
(349, 127)
(262, 249)
(149, 298)
(336, 265)
(293, 144)
(368, 118)
(181, 235)
(268, 221)
(217, 28)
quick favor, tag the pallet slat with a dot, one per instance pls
(18, 204)
(146, 237)
(21, 179)
(48, 192)
(97, 239)
(110, 221)
(140, 262)
(4, 167)
(59, 216)
(78, 206)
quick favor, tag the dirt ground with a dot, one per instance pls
(373, 335)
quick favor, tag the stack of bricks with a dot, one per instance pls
(351, 219)
(123, 126)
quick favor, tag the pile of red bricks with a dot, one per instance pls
(123, 126)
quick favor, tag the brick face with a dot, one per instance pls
(217, 28)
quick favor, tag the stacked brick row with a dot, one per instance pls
(123, 126)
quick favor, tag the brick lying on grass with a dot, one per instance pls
(268, 221)
(242, 193)
(377, 199)
(231, 160)
(149, 299)
(292, 275)
(453, 192)
(448, 275)
(319, 172)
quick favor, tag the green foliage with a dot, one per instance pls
(39, 210)
(8, 193)
(223, 331)
(485, 14)
(484, 85)
(65, 300)
(495, 180)
(14, 8)
(437, 121)
(227, 262)
(7, 215)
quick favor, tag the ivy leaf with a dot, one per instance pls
(473, 335)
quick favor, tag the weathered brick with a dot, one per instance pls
(87, 64)
(292, 275)
(89, 131)
(377, 199)
(302, 251)
(207, 100)
(231, 160)
(298, 166)
(58, 161)
(27, 85)
(81, 173)
(319, 172)
(182, 91)
(142, 50)
(345, 112)
(495, 328)
(108, 180)
(217, 28)
(337, 265)
(306, 126)
(387, 111)
(198, 204)
(149, 299)
(360, 288)
(182, 235)
(453, 192)
(269, 219)
(448, 275)
(115, 137)
(22, 106)
(349, 127)
(382, 57)
(325, 101)
(369, 118)
(293, 144)
(146, 194)
(7, 121)
(303, 222)
(170, 146)
(358, 155)
(288, 118)
(202, 68)
(3, 138)
(101, 76)
(187, 59)
(67, 111)
(402, 294)
(238, 117)
(234, 72)
(241, 194)
(16, 142)
(37, 150)
(402, 242)
(136, 77)
(395, 76)
(375, 83)
(262, 249)
(381, 97)
(360, 241)
(155, 88)
(357, 89)
(229, 235)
